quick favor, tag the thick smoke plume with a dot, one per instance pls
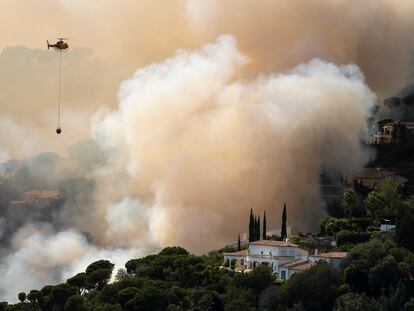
(189, 150)
(207, 147)
(194, 141)
(41, 256)
(376, 35)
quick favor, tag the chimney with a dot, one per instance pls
(316, 252)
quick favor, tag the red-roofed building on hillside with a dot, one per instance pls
(41, 197)
(37, 198)
(373, 178)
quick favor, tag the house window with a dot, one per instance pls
(283, 275)
(291, 253)
(262, 252)
(270, 253)
(283, 252)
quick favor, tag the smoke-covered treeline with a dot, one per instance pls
(28, 244)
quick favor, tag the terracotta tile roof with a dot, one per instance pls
(304, 266)
(243, 252)
(273, 243)
(375, 173)
(295, 263)
(331, 255)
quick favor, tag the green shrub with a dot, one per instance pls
(350, 237)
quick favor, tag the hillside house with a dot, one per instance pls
(373, 178)
(36, 198)
(41, 198)
(386, 135)
(283, 257)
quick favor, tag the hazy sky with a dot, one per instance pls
(111, 39)
(199, 110)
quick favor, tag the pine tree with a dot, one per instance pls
(251, 224)
(264, 226)
(284, 218)
(238, 243)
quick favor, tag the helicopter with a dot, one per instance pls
(60, 45)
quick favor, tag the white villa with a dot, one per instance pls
(284, 257)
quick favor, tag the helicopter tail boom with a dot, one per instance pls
(48, 44)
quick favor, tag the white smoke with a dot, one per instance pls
(191, 148)
(41, 256)
(205, 147)
(128, 223)
(38, 257)
(10, 133)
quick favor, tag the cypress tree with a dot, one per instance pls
(254, 228)
(264, 226)
(258, 229)
(284, 218)
(251, 220)
(238, 243)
